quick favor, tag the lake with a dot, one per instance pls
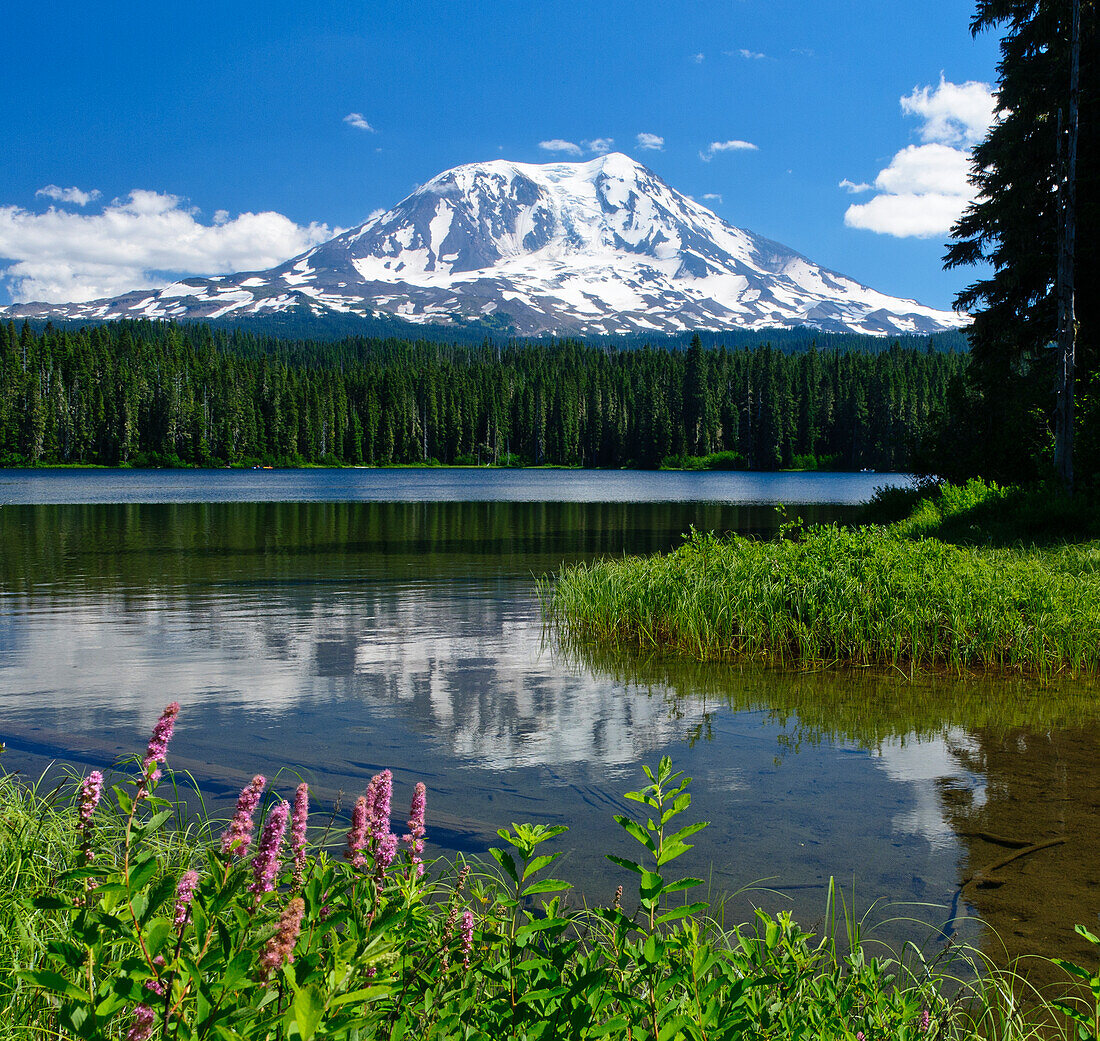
(328, 624)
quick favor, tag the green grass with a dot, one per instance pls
(885, 596)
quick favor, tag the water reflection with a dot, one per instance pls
(338, 638)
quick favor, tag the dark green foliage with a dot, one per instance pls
(1001, 416)
(156, 394)
(985, 514)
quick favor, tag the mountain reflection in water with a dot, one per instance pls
(333, 639)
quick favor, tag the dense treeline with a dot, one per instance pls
(156, 393)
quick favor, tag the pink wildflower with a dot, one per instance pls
(466, 932)
(925, 1021)
(155, 985)
(142, 1025)
(298, 832)
(91, 790)
(379, 795)
(185, 890)
(265, 865)
(238, 836)
(383, 845)
(357, 834)
(158, 743)
(415, 837)
(385, 852)
(280, 948)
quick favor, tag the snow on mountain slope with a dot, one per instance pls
(603, 247)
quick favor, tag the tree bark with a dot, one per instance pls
(1067, 325)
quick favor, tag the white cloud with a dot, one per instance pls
(556, 144)
(72, 195)
(600, 145)
(852, 188)
(907, 215)
(355, 119)
(926, 188)
(751, 55)
(698, 58)
(713, 197)
(138, 243)
(953, 113)
(726, 146)
(653, 142)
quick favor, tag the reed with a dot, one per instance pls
(864, 596)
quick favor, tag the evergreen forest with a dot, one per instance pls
(159, 394)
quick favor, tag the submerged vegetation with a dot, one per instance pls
(872, 595)
(116, 923)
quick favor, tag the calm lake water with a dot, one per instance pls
(332, 623)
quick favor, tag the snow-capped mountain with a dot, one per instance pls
(603, 247)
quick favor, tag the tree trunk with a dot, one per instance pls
(1067, 325)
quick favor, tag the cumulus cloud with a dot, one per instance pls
(556, 144)
(355, 119)
(852, 188)
(751, 55)
(698, 58)
(953, 113)
(653, 142)
(600, 145)
(713, 197)
(139, 242)
(925, 188)
(76, 196)
(725, 146)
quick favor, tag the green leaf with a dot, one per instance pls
(636, 831)
(309, 1007)
(1080, 930)
(681, 884)
(156, 934)
(628, 864)
(50, 903)
(504, 859)
(1072, 969)
(363, 996)
(538, 863)
(125, 803)
(142, 875)
(55, 982)
(651, 885)
(688, 831)
(546, 885)
(680, 912)
(157, 820)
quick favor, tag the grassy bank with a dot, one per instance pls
(112, 925)
(875, 595)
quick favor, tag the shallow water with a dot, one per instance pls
(332, 639)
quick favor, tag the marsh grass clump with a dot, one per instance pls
(864, 596)
(986, 513)
(158, 936)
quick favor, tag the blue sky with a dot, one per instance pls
(208, 113)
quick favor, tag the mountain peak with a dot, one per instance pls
(602, 246)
